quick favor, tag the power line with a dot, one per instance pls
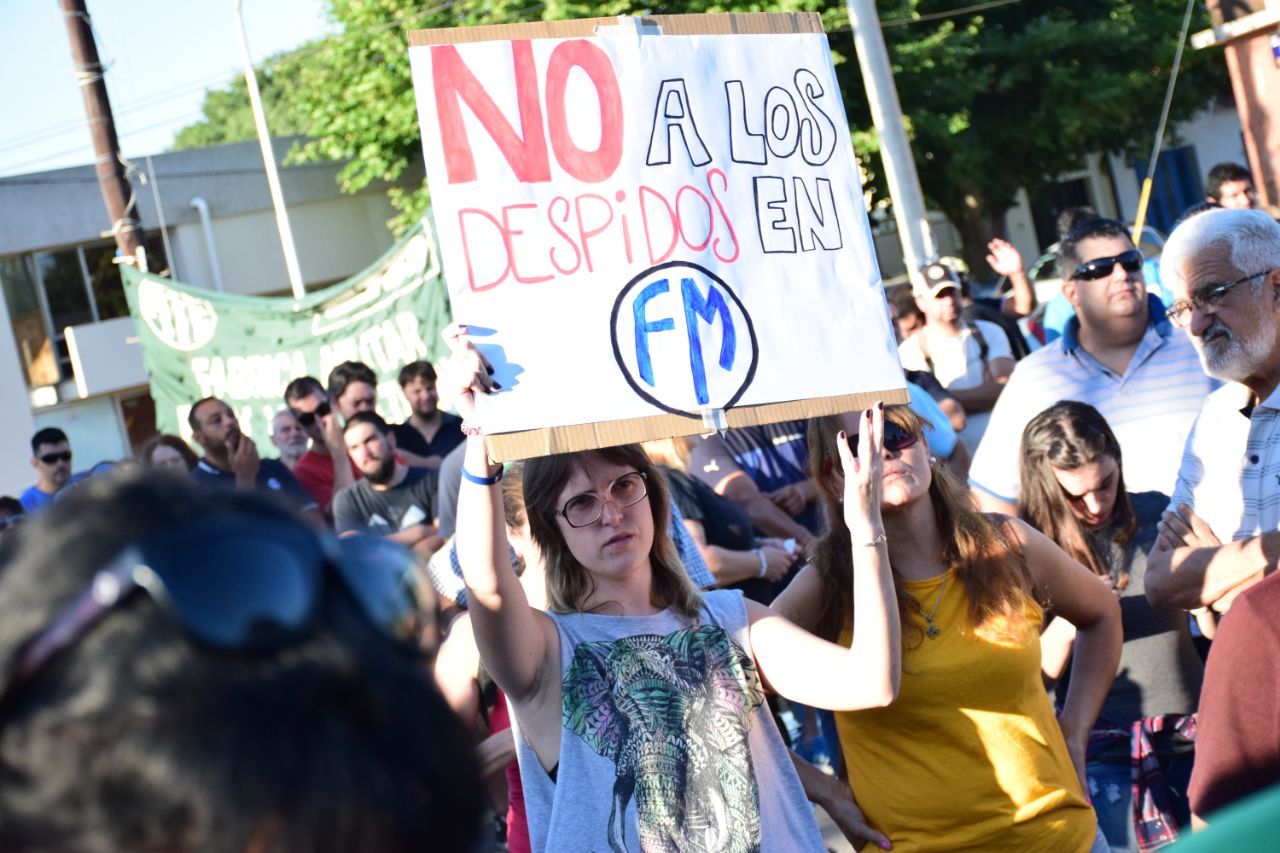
(225, 78)
(933, 16)
(22, 180)
(129, 106)
(46, 157)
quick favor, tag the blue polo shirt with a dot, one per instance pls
(1150, 407)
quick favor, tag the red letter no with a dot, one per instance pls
(588, 166)
(453, 81)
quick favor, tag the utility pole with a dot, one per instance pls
(918, 246)
(269, 162)
(106, 146)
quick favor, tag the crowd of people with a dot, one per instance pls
(977, 621)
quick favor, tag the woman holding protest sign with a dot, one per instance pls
(969, 756)
(639, 702)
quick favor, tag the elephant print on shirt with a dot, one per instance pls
(673, 714)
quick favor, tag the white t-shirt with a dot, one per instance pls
(957, 363)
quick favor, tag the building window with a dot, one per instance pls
(26, 314)
(48, 291)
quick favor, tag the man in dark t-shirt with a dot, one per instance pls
(231, 458)
(429, 432)
(392, 500)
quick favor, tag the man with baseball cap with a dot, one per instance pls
(970, 358)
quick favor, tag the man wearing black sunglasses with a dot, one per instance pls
(1118, 354)
(51, 457)
(325, 469)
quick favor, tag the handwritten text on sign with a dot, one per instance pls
(663, 223)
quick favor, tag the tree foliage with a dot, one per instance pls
(1006, 97)
(227, 117)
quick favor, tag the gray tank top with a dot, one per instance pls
(667, 744)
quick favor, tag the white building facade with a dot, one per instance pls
(68, 353)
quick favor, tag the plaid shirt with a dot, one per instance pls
(1154, 825)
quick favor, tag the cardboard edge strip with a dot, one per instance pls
(508, 447)
(742, 23)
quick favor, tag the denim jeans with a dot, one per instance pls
(1100, 844)
(1111, 789)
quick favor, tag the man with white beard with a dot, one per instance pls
(1223, 268)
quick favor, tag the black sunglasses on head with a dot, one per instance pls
(247, 586)
(52, 458)
(1098, 268)
(895, 439)
(308, 418)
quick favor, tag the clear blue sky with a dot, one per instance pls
(161, 56)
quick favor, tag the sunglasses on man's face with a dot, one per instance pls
(895, 439)
(1130, 261)
(54, 458)
(308, 418)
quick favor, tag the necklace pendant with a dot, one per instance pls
(932, 631)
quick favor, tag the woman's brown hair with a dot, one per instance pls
(569, 584)
(1067, 436)
(172, 442)
(994, 575)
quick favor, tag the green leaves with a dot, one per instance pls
(1009, 97)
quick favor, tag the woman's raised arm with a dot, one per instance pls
(514, 639)
(816, 672)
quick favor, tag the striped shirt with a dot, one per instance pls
(1150, 407)
(1230, 471)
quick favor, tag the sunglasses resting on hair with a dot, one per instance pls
(1098, 268)
(243, 586)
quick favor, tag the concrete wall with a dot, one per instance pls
(337, 235)
(17, 426)
(335, 238)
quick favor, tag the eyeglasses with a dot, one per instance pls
(1207, 296)
(244, 586)
(308, 418)
(895, 439)
(11, 521)
(53, 458)
(585, 509)
(1098, 268)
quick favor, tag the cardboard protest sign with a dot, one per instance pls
(244, 349)
(647, 231)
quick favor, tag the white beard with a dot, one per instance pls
(1231, 358)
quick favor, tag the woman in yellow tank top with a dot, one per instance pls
(969, 757)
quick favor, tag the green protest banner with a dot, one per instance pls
(244, 349)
